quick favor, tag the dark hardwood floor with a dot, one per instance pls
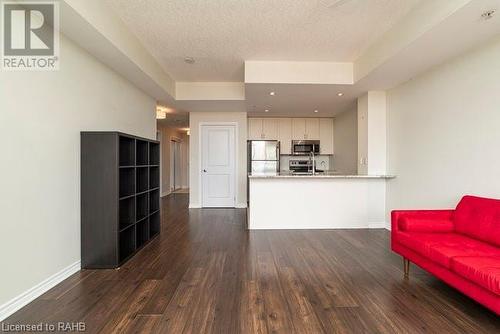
(207, 274)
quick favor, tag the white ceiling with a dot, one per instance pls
(222, 34)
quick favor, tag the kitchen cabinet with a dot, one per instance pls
(254, 128)
(305, 128)
(326, 135)
(287, 129)
(285, 135)
(312, 129)
(298, 128)
(270, 128)
(263, 129)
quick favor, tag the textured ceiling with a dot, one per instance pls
(176, 119)
(222, 34)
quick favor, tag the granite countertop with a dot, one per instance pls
(323, 175)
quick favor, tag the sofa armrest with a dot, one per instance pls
(421, 219)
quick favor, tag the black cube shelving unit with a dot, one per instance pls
(120, 196)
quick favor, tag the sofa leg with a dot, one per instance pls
(406, 263)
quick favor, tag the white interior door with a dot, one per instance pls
(218, 165)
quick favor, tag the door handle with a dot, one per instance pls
(204, 171)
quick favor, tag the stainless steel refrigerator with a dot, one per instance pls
(263, 156)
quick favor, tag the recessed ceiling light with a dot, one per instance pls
(340, 94)
(315, 111)
(189, 60)
(272, 93)
(267, 110)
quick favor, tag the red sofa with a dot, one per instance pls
(461, 246)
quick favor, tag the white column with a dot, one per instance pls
(372, 133)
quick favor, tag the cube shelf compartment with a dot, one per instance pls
(154, 224)
(154, 201)
(154, 154)
(154, 177)
(127, 151)
(127, 242)
(126, 215)
(142, 206)
(120, 197)
(142, 179)
(142, 233)
(127, 181)
(142, 153)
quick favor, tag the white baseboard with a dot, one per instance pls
(377, 225)
(165, 193)
(241, 205)
(28, 296)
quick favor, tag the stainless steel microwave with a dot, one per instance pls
(305, 147)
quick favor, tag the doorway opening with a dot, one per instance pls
(175, 165)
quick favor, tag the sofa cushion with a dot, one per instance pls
(443, 253)
(413, 224)
(484, 271)
(479, 218)
(421, 242)
(442, 247)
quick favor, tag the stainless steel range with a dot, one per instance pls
(300, 166)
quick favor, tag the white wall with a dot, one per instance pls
(377, 128)
(41, 116)
(444, 133)
(346, 142)
(195, 118)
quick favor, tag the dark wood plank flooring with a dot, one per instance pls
(207, 274)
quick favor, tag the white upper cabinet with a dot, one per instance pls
(254, 128)
(285, 135)
(312, 128)
(305, 128)
(298, 128)
(287, 129)
(263, 129)
(270, 128)
(326, 135)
